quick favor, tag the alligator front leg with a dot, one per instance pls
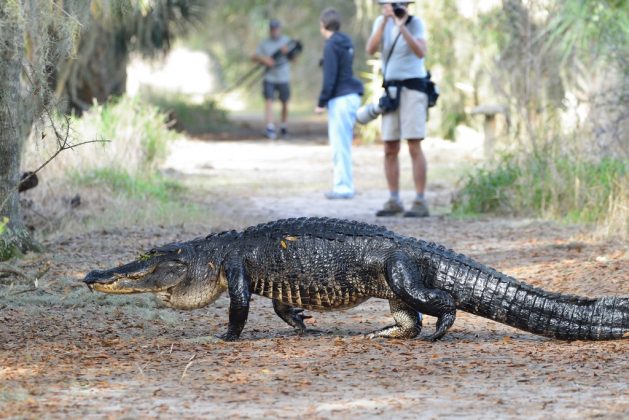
(292, 316)
(407, 322)
(238, 284)
(407, 282)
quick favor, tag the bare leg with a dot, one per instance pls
(284, 112)
(418, 160)
(268, 112)
(392, 164)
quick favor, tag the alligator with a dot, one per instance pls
(324, 264)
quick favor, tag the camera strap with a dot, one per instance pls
(386, 62)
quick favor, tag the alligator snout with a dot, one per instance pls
(99, 276)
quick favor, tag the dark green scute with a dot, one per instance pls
(319, 227)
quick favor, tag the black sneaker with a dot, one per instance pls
(283, 132)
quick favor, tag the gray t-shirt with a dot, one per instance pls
(281, 72)
(403, 64)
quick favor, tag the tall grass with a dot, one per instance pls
(579, 191)
(118, 182)
(147, 186)
(134, 135)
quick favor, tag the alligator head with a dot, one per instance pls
(156, 271)
(178, 273)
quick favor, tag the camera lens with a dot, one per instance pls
(399, 10)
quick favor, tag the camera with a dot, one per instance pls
(399, 9)
(387, 102)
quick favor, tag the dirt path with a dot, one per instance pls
(66, 353)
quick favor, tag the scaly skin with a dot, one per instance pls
(328, 264)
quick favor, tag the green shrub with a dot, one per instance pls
(187, 116)
(488, 189)
(137, 132)
(561, 188)
(118, 180)
(3, 224)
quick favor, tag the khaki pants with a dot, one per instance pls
(409, 120)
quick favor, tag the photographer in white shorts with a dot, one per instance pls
(401, 39)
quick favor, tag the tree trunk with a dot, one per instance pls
(101, 69)
(14, 128)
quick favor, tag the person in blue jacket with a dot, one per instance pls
(340, 94)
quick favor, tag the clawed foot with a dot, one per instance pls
(298, 317)
(443, 324)
(394, 331)
(228, 336)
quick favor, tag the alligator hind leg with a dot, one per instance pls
(407, 322)
(292, 316)
(406, 281)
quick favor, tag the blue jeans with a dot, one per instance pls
(341, 120)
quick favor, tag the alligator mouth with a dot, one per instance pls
(109, 282)
(136, 278)
(112, 286)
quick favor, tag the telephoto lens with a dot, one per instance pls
(368, 113)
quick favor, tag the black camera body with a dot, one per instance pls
(388, 103)
(399, 9)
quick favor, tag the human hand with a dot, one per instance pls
(319, 110)
(269, 62)
(284, 49)
(387, 11)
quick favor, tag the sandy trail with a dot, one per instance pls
(66, 353)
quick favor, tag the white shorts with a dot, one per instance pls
(409, 120)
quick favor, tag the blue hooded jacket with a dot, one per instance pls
(338, 76)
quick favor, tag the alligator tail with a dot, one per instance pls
(483, 291)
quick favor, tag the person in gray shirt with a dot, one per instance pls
(401, 39)
(276, 81)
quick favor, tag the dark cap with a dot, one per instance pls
(274, 24)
